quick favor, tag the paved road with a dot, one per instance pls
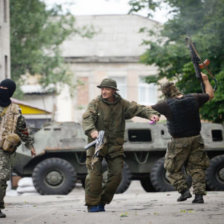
(132, 207)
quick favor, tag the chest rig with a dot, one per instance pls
(9, 140)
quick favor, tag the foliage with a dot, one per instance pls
(142, 4)
(36, 34)
(202, 20)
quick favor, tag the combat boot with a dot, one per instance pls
(2, 215)
(184, 195)
(101, 208)
(198, 199)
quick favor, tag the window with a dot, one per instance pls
(36, 124)
(147, 93)
(217, 135)
(139, 135)
(121, 85)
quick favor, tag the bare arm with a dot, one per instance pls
(208, 88)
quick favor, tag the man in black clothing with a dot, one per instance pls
(186, 147)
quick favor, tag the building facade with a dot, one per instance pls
(4, 40)
(113, 52)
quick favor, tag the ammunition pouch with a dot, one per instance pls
(10, 142)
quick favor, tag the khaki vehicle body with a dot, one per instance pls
(60, 159)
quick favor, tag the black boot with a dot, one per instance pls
(2, 215)
(184, 195)
(198, 199)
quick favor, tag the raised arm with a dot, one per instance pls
(208, 88)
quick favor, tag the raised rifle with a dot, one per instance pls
(199, 64)
(98, 143)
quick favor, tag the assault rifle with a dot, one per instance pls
(195, 59)
(199, 64)
(98, 143)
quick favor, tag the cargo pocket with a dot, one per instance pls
(200, 157)
(169, 163)
(199, 160)
(169, 158)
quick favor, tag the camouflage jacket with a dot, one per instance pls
(23, 133)
(21, 129)
(110, 117)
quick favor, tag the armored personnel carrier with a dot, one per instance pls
(60, 159)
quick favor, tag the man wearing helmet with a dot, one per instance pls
(108, 112)
(186, 147)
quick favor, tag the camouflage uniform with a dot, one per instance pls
(110, 117)
(188, 151)
(5, 158)
(186, 147)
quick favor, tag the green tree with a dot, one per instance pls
(202, 20)
(36, 35)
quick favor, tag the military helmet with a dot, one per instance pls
(109, 83)
(170, 90)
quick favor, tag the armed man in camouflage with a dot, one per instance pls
(12, 131)
(108, 112)
(186, 147)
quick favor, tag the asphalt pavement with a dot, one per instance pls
(135, 206)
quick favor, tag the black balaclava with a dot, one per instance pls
(5, 94)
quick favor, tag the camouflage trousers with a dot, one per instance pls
(97, 192)
(187, 152)
(5, 169)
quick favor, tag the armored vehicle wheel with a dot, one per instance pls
(54, 176)
(125, 181)
(158, 177)
(147, 184)
(215, 174)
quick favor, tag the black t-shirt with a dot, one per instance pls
(182, 114)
